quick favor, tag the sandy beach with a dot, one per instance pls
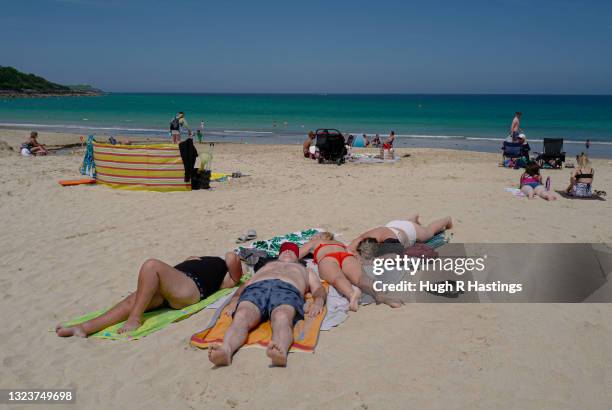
(68, 251)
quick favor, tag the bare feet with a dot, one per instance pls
(354, 300)
(275, 353)
(130, 324)
(70, 331)
(219, 355)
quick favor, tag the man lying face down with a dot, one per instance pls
(161, 284)
(276, 292)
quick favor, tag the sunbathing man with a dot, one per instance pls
(407, 232)
(158, 284)
(339, 268)
(276, 292)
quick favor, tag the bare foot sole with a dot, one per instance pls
(70, 331)
(276, 355)
(130, 324)
(218, 355)
(354, 300)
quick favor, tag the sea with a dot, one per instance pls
(465, 122)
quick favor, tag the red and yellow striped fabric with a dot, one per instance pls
(140, 167)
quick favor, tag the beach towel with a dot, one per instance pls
(88, 167)
(305, 332)
(152, 321)
(272, 246)
(515, 191)
(370, 159)
(594, 196)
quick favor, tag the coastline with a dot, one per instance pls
(15, 94)
(600, 150)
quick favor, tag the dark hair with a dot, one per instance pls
(392, 132)
(518, 113)
(532, 169)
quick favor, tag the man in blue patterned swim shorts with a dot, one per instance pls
(275, 293)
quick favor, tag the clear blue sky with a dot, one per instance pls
(435, 46)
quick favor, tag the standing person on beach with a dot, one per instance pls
(388, 145)
(177, 125)
(160, 284)
(515, 128)
(275, 293)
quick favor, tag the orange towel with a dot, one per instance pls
(305, 332)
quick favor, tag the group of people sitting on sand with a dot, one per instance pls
(386, 145)
(275, 292)
(580, 186)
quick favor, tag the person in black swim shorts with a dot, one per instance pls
(275, 293)
(161, 284)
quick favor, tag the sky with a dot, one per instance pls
(435, 46)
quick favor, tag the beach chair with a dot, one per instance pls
(515, 151)
(331, 146)
(553, 155)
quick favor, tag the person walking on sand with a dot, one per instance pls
(515, 128)
(276, 293)
(159, 284)
(388, 146)
(177, 125)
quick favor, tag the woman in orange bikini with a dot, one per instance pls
(339, 268)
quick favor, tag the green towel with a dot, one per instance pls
(272, 246)
(152, 321)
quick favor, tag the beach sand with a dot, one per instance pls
(67, 251)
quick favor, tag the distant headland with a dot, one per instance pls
(15, 84)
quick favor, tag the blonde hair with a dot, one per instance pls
(583, 160)
(368, 248)
(326, 236)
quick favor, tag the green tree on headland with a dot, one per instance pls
(14, 81)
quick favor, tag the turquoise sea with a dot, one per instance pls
(455, 121)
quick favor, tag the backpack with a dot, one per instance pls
(175, 125)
